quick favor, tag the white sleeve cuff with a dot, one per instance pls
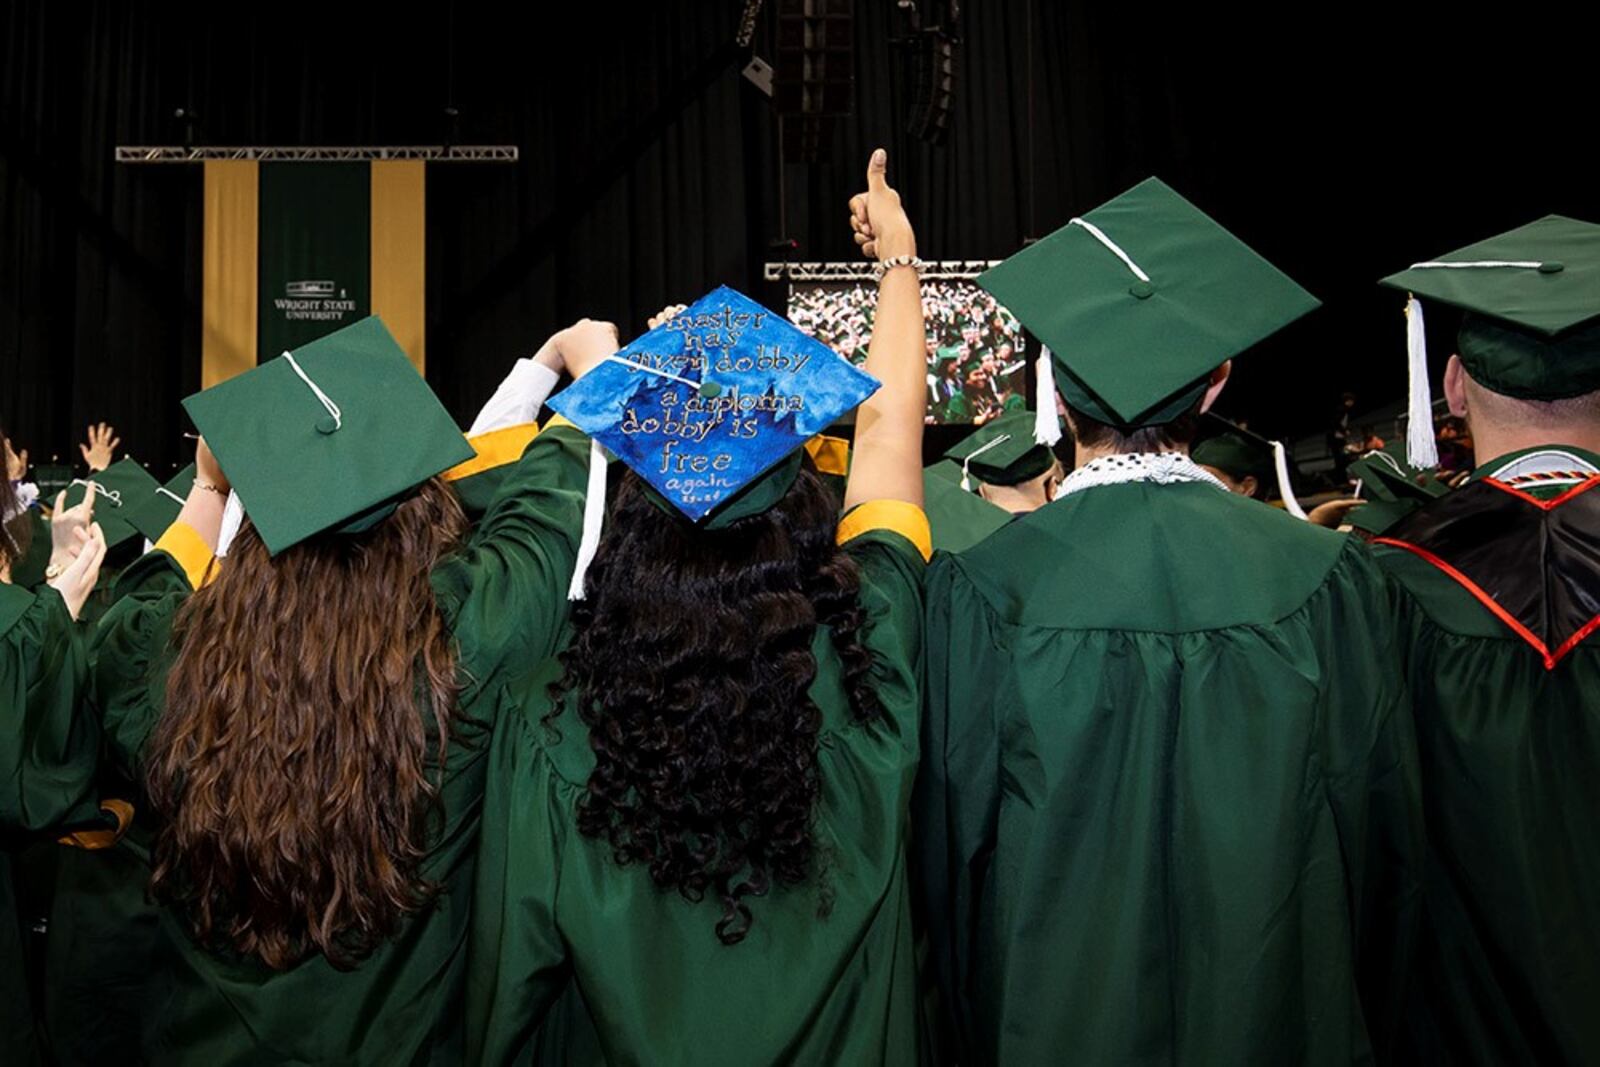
(518, 399)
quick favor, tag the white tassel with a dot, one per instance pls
(594, 513)
(232, 519)
(1046, 420)
(1422, 451)
(1280, 460)
(966, 464)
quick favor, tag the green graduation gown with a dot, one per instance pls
(1167, 811)
(504, 599)
(102, 924)
(959, 519)
(47, 758)
(553, 905)
(1509, 967)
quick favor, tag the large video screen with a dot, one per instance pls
(976, 360)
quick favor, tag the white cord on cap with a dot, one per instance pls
(1521, 264)
(168, 492)
(1422, 450)
(1100, 236)
(113, 495)
(327, 402)
(594, 513)
(966, 464)
(652, 370)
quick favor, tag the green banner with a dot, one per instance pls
(315, 272)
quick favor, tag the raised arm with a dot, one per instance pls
(887, 461)
(506, 591)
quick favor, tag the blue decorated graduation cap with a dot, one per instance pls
(711, 409)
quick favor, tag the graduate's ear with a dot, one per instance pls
(1219, 378)
(1455, 386)
(1248, 486)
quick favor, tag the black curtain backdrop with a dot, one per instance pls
(1342, 142)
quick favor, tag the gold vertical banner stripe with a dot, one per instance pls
(228, 267)
(399, 221)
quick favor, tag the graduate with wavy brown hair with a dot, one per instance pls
(308, 714)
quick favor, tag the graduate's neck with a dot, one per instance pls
(1501, 425)
(1083, 455)
(1491, 444)
(1017, 499)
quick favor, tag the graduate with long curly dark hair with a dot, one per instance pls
(701, 815)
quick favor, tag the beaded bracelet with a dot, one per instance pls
(886, 265)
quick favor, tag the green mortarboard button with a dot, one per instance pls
(1532, 328)
(719, 477)
(1126, 368)
(300, 477)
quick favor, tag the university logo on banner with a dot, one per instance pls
(315, 251)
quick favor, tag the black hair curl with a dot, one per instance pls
(692, 665)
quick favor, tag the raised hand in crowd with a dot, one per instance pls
(101, 448)
(887, 463)
(69, 528)
(16, 463)
(881, 227)
(76, 580)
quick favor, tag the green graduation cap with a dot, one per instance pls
(1392, 488)
(329, 436)
(957, 519)
(117, 489)
(1531, 297)
(1002, 452)
(1385, 474)
(1238, 452)
(1138, 301)
(1241, 453)
(159, 510)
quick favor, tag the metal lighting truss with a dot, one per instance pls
(865, 271)
(488, 153)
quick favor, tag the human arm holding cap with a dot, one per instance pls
(505, 593)
(1331, 513)
(520, 397)
(887, 459)
(191, 540)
